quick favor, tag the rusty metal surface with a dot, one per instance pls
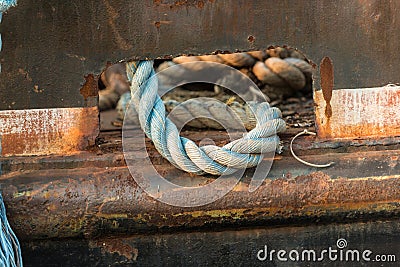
(370, 112)
(222, 248)
(93, 194)
(108, 153)
(327, 82)
(47, 131)
(50, 46)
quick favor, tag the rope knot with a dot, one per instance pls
(185, 154)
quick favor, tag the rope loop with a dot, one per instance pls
(185, 154)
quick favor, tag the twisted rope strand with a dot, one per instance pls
(10, 250)
(278, 68)
(184, 153)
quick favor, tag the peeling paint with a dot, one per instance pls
(90, 87)
(47, 131)
(364, 112)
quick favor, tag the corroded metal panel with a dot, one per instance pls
(372, 112)
(47, 131)
(94, 194)
(49, 46)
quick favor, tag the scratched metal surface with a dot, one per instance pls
(49, 46)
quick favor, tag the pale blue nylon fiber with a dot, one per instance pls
(6, 4)
(184, 153)
(10, 250)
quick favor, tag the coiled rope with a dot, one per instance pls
(277, 68)
(200, 113)
(185, 154)
(6, 4)
(224, 116)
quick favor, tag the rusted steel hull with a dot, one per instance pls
(54, 51)
(93, 194)
(50, 46)
(71, 205)
(47, 131)
(367, 112)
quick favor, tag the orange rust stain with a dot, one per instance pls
(80, 135)
(117, 246)
(393, 99)
(90, 88)
(327, 80)
(182, 3)
(356, 131)
(200, 4)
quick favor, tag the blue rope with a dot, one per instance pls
(6, 4)
(184, 153)
(10, 250)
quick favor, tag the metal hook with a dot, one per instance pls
(303, 161)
